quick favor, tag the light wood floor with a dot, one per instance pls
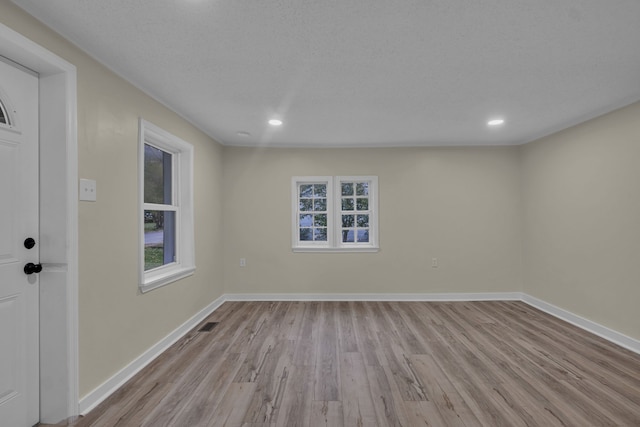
(381, 363)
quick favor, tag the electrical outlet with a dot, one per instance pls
(434, 262)
(243, 262)
(88, 191)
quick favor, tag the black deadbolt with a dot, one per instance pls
(31, 268)
(29, 243)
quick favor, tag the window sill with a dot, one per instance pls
(369, 249)
(156, 279)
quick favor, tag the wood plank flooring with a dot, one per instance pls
(381, 364)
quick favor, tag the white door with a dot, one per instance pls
(19, 354)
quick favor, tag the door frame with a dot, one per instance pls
(58, 223)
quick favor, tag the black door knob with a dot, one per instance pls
(29, 243)
(31, 268)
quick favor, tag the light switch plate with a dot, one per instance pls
(88, 190)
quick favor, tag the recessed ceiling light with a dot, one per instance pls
(495, 122)
(275, 122)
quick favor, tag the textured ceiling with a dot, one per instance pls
(366, 73)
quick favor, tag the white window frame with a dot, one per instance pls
(182, 187)
(334, 215)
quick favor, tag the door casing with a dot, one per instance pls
(58, 223)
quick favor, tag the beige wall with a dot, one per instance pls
(117, 323)
(581, 228)
(459, 205)
(568, 205)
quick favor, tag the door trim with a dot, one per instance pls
(58, 223)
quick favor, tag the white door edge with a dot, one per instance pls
(59, 174)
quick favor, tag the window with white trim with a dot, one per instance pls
(166, 207)
(334, 213)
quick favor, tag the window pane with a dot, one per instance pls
(347, 204)
(347, 221)
(306, 220)
(306, 190)
(347, 188)
(320, 220)
(362, 204)
(320, 234)
(320, 205)
(363, 220)
(363, 235)
(320, 190)
(3, 115)
(306, 234)
(306, 204)
(159, 238)
(347, 236)
(157, 176)
(362, 189)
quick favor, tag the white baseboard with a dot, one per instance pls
(487, 296)
(589, 326)
(104, 390)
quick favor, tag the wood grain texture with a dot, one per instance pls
(381, 364)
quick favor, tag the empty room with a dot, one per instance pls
(236, 213)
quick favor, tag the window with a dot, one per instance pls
(4, 118)
(166, 207)
(4, 115)
(334, 213)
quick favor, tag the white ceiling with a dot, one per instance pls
(366, 73)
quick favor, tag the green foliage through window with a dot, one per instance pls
(313, 198)
(355, 228)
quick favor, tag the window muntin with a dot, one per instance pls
(166, 208)
(348, 223)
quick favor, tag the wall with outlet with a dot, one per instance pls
(449, 221)
(114, 318)
(557, 218)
